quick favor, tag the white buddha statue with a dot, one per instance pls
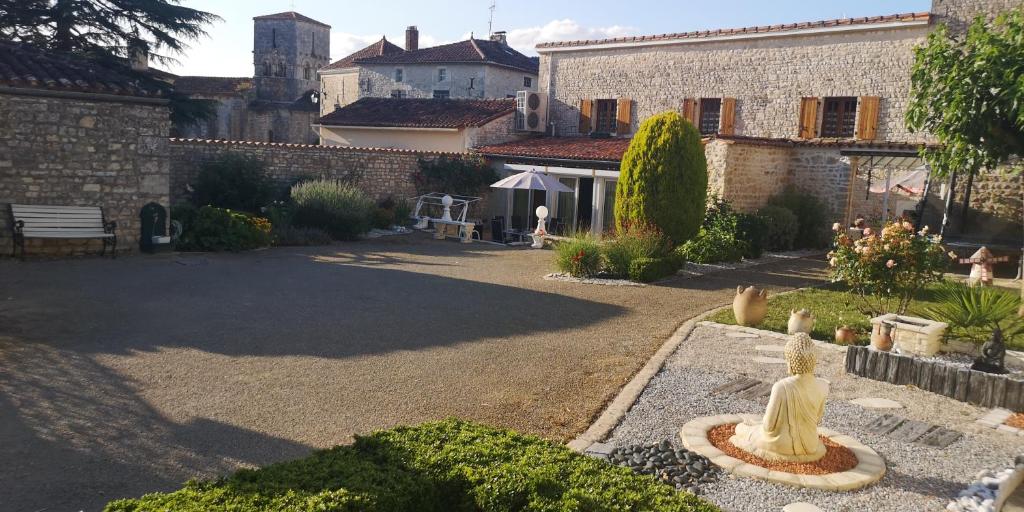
(789, 430)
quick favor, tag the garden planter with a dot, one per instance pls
(913, 335)
(845, 336)
(800, 321)
(750, 306)
(881, 336)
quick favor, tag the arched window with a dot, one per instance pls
(280, 70)
(266, 69)
(307, 72)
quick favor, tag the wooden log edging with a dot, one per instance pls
(963, 384)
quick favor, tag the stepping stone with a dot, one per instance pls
(911, 431)
(919, 432)
(800, 506)
(761, 390)
(740, 334)
(735, 386)
(885, 424)
(771, 348)
(877, 403)
(940, 437)
(768, 360)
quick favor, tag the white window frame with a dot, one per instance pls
(399, 75)
(528, 81)
(442, 75)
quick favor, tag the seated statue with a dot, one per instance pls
(789, 430)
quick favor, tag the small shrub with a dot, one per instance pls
(647, 270)
(812, 221)
(465, 176)
(185, 213)
(340, 209)
(579, 256)
(663, 178)
(446, 466)
(383, 218)
(218, 229)
(886, 270)
(632, 243)
(714, 245)
(403, 210)
(752, 229)
(233, 182)
(781, 228)
(974, 312)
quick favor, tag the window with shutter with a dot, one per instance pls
(867, 120)
(691, 111)
(728, 126)
(838, 117)
(710, 115)
(605, 116)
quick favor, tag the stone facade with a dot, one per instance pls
(958, 14)
(766, 76)
(463, 81)
(81, 151)
(381, 173)
(340, 87)
(286, 55)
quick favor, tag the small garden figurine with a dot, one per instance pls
(993, 355)
(981, 266)
(800, 321)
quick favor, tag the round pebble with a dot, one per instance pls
(673, 466)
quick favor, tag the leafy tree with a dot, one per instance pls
(460, 176)
(663, 179)
(969, 92)
(109, 31)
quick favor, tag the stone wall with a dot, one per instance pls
(958, 14)
(495, 132)
(420, 81)
(380, 173)
(82, 152)
(340, 87)
(766, 76)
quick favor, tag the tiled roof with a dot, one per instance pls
(212, 84)
(561, 148)
(382, 47)
(306, 147)
(469, 51)
(291, 15)
(25, 66)
(873, 20)
(418, 113)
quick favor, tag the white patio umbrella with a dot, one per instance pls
(532, 180)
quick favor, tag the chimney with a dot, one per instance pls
(138, 56)
(412, 38)
(500, 37)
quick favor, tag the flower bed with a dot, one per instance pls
(445, 466)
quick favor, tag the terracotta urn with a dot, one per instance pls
(881, 337)
(845, 336)
(750, 306)
(800, 321)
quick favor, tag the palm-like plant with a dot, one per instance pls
(973, 312)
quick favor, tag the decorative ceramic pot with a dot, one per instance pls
(881, 337)
(845, 336)
(800, 321)
(750, 306)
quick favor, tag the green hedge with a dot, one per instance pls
(436, 467)
(218, 229)
(647, 270)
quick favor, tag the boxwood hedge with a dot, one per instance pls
(444, 466)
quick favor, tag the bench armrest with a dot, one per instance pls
(19, 225)
(110, 227)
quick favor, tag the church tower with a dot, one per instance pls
(288, 49)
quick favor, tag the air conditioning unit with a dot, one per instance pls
(531, 111)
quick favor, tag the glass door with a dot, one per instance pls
(565, 210)
(608, 216)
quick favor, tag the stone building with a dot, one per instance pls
(77, 133)
(281, 101)
(470, 69)
(816, 105)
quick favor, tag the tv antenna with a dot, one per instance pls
(490, 22)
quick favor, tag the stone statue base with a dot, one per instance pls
(748, 435)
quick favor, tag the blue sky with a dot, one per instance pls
(355, 24)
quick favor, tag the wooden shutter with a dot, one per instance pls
(808, 118)
(586, 109)
(691, 111)
(624, 116)
(867, 120)
(727, 125)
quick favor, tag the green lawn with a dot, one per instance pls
(831, 306)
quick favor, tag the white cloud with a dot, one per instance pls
(526, 39)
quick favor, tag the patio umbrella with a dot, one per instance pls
(532, 180)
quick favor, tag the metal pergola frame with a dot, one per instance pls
(888, 160)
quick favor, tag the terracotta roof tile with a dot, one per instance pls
(418, 113)
(212, 84)
(561, 148)
(699, 34)
(468, 51)
(382, 47)
(291, 15)
(29, 67)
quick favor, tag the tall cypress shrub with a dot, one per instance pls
(663, 180)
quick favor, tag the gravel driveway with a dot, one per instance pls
(120, 377)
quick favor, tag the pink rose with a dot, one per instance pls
(890, 264)
(907, 226)
(868, 232)
(836, 227)
(833, 262)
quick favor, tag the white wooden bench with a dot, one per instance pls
(42, 221)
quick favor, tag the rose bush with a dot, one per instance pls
(885, 270)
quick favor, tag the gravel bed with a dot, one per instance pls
(918, 477)
(559, 276)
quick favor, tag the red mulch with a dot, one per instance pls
(837, 458)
